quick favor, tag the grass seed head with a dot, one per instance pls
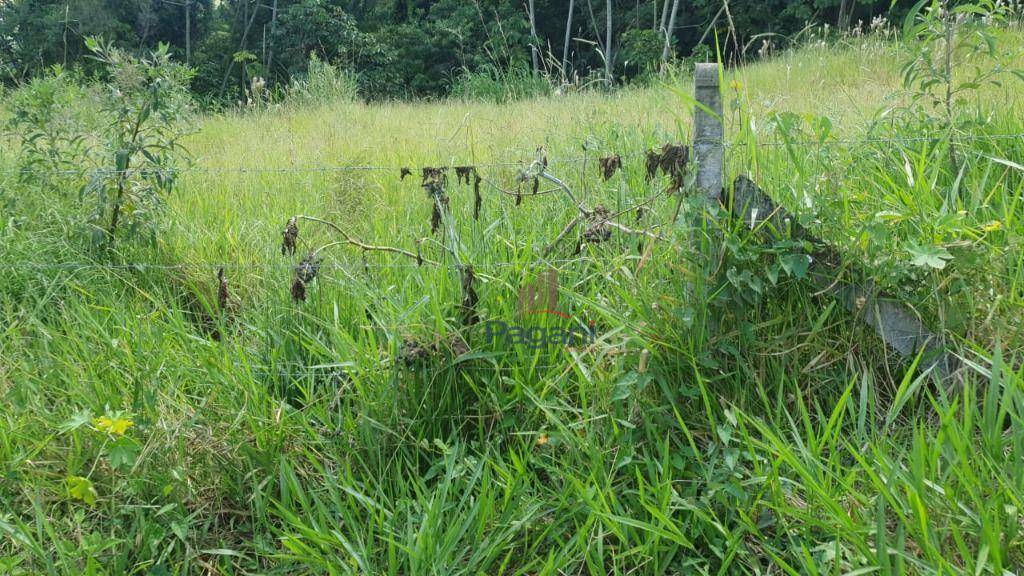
(597, 233)
(673, 162)
(434, 181)
(674, 158)
(477, 198)
(652, 163)
(413, 352)
(469, 315)
(223, 295)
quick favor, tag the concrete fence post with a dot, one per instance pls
(708, 131)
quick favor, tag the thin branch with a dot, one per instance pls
(565, 232)
(443, 247)
(642, 204)
(565, 188)
(522, 194)
(588, 214)
(348, 239)
(629, 230)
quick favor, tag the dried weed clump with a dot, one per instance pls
(597, 226)
(305, 272)
(467, 175)
(434, 182)
(416, 352)
(672, 160)
(609, 165)
(290, 237)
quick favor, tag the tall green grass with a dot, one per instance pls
(697, 435)
(494, 84)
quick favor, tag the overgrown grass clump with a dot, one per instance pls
(729, 418)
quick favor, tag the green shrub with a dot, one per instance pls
(323, 83)
(52, 117)
(146, 106)
(640, 53)
(493, 84)
(953, 52)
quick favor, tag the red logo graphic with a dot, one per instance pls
(541, 296)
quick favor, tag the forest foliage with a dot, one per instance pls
(244, 50)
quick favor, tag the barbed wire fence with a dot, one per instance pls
(486, 181)
(554, 161)
(897, 324)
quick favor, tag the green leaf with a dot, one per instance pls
(795, 264)
(81, 488)
(78, 420)
(144, 113)
(929, 256)
(121, 160)
(93, 43)
(908, 22)
(123, 453)
(629, 384)
(223, 552)
(180, 530)
(624, 387)
(725, 433)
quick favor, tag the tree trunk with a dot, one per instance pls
(601, 46)
(608, 56)
(664, 15)
(242, 44)
(533, 38)
(732, 32)
(67, 8)
(188, 32)
(568, 35)
(273, 29)
(670, 31)
(844, 15)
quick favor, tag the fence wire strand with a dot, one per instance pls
(879, 140)
(517, 164)
(339, 370)
(287, 265)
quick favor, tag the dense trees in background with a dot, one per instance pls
(406, 48)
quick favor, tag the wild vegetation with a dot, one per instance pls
(255, 342)
(250, 51)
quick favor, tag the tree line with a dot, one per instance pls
(408, 48)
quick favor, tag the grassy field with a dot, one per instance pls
(727, 419)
